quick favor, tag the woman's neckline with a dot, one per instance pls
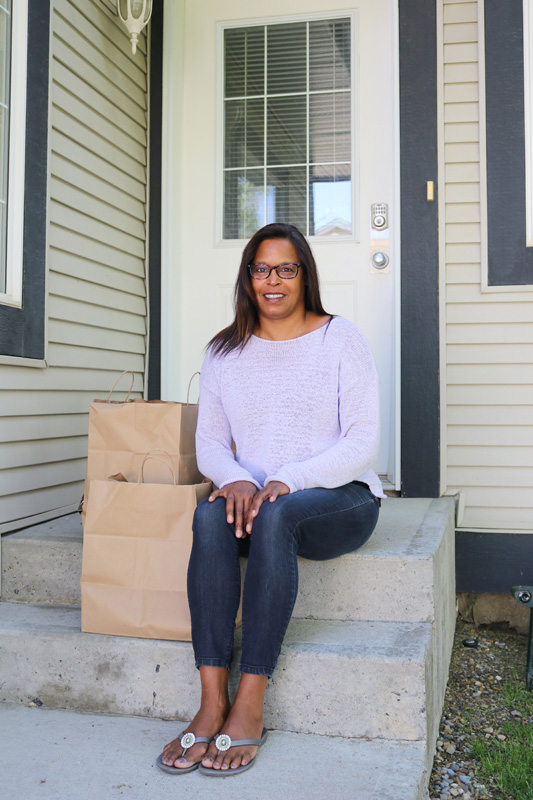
(296, 338)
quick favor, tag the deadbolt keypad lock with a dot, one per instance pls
(380, 216)
(379, 238)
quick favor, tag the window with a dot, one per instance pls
(288, 127)
(509, 260)
(22, 315)
(13, 36)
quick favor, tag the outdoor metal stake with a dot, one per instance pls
(524, 596)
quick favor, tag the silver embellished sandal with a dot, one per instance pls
(223, 742)
(187, 741)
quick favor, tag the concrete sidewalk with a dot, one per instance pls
(47, 754)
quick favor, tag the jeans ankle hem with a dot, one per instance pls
(212, 662)
(257, 670)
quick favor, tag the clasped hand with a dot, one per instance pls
(243, 501)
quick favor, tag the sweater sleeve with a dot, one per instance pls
(356, 450)
(214, 452)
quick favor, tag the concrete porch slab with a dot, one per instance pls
(85, 756)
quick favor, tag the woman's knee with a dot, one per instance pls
(273, 523)
(209, 518)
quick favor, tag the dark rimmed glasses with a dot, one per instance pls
(261, 272)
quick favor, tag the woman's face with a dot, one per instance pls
(275, 297)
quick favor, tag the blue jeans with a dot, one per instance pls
(314, 523)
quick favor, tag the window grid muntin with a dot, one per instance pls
(308, 93)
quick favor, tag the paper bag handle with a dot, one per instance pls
(157, 450)
(126, 372)
(193, 376)
(147, 457)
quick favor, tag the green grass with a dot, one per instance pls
(510, 763)
(517, 697)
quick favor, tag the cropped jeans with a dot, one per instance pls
(317, 524)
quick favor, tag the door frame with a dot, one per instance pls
(416, 464)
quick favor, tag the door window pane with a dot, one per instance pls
(286, 130)
(245, 206)
(288, 127)
(329, 55)
(330, 201)
(244, 61)
(330, 127)
(288, 191)
(244, 133)
(286, 58)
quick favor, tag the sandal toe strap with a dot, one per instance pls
(235, 742)
(223, 742)
(197, 739)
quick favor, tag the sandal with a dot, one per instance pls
(187, 741)
(223, 742)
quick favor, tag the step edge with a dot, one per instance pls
(359, 555)
(309, 618)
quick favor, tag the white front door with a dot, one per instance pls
(325, 116)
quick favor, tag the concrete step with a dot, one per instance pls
(85, 756)
(351, 679)
(401, 574)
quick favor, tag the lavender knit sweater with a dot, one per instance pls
(303, 411)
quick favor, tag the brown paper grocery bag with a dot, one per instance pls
(136, 548)
(121, 433)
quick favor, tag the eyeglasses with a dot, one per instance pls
(262, 271)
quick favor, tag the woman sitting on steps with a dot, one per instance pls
(296, 390)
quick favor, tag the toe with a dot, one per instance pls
(226, 761)
(248, 756)
(169, 758)
(210, 755)
(171, 752)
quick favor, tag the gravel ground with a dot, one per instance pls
(474, 707)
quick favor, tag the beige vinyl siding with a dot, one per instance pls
(96, 294)
(489, 350)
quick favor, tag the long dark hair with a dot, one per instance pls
(246, 316)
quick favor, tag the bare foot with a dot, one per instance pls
(241, 723)
(207, 722)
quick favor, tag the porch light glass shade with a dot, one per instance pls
(288, 127)
(135, 14)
